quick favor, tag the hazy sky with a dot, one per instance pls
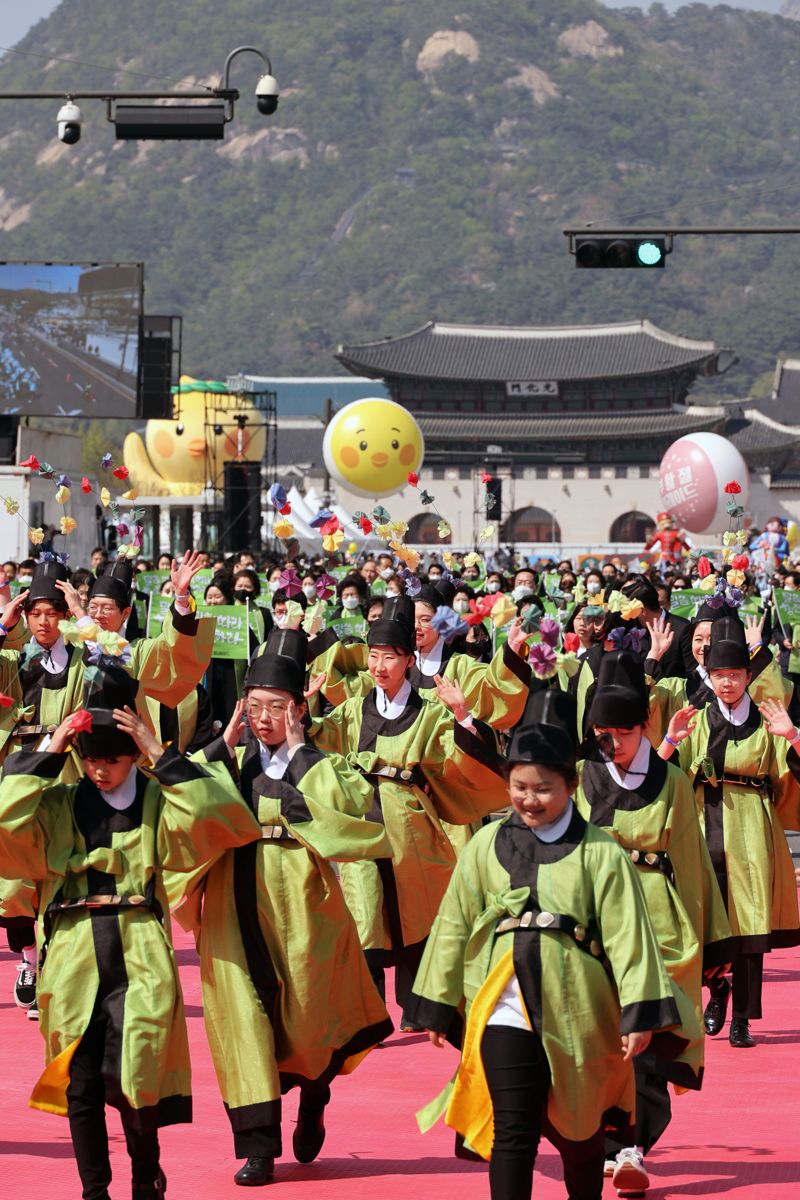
(17, 16)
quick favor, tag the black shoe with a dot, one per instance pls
(255, 1172)
(717, 1010)
(740, 1034)
(154, 1190)
(309, 1134)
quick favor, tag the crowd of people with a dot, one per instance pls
(551, 805)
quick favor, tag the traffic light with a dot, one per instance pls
(596, 252)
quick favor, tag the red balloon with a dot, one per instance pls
(692, 480)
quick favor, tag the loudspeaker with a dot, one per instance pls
(8, 439)
(241, 513)
(159, 347)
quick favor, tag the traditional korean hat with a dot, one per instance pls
(438, 593)
(707, 612)
(728, 645)
(621, 698)
(396, 626)
(115, 582)
(43, 583)
(282, 664)
(546, 734)
(114, 688)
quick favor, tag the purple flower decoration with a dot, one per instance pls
(550, 631)
(64, 481)
(413, 586)
(543, 660)
(290, 582)
(734, 596)
(326, 585)
(277, 496)
(448, 623)
(122, 529)
(626, 639)
(106, 461)
(323, 516)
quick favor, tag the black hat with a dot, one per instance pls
(706, 612)
(728, 645)
(437, 593)
(621, 698)
(282, 664)
(396, 626)
(639, 587)
(115, 689)
(43, 583)
(115, 582)
(546, 734)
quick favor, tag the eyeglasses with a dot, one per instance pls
(274, 709)
(102, 610)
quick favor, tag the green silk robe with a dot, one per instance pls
(577, 1007)
(71, 844)
(286, 990)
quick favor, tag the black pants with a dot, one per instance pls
(264, 1141)
(406, 964)
(653, 1112)
(87, 1120)
(747, 977)
(21, 935)
(518, 1077)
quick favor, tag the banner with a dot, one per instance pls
(348, 625)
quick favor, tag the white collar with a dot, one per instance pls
(275, 761)
(431, 663)
(739, 713)
(122, 797)
(393, 708)
(636, 772)
(557, 828)
(703, 673)
(55, 659)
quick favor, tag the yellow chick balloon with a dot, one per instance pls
(371, 445)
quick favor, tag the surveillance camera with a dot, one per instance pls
(267, 94)
(70, 119)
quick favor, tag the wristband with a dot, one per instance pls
(792, 741)
(177, 596)
(670, 742)
(3, 630)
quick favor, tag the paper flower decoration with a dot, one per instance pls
(62, 495)
(36, 535)
(406, 553)
(735, 578)
(64, 481)
(532, 619)
(543, 660)
(106, 460)
(321, 519)
(631, 610)
(413, 478)
(290, 581)
(6, 701)
(287, 508)
(729, 537)
(120, 472)
(365, 523)
(78, 633)
(734, 597)
(105, 497)
(326, 586)
(413, 586)
(443, 529)
(314, 616)
(486, 477)
(294, 615)
(740, 562)
(32, 463)
(425, 497)
(379, 513)
(473, 559)
(447, 558)
(277, 496)
(572, 643)
(734, 509)
(351, 548)
(448, 623)
(283, 529)
(550, 631)
(131, 494)
(503, 610)
(741, 537)
(86, 485)
(486, 533)
(332, 541)
(68, 524)
(329, 526)
(627, 639)
(11, 506)
(708, 584)
(703, 566)
(81, 721)
(732, 489)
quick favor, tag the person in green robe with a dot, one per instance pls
(287, 995)
(427, 762)
(544, 936)
(648, 806)
(745, 773)
(111, 1008)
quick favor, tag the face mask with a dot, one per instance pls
(24, 579)
(386, 573)
(242, 595)
(273, 585)
(309, 591)
(461, 606)
(433, 578)
(521, 592)
(594, 587)
(350, 602)
(281, 620)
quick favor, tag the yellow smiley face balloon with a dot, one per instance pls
(371, 445)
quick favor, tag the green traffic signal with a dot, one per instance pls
(600, 252)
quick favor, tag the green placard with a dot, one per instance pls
(787, 605)
(349, 625)
(151, 581)
(794, 658)
(686, 601)
(201, 580)
(159, 607)
(232, 638)
(378, 587)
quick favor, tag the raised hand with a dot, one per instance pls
(517, 637)
(662, 636)
(11, 612)
(777, 720)
(182, 574)
(235, 727)
(295, 734)
(451, 696)
(682, 723)
(72, 597)
(754, 630)
(314, 685)
(62, 737)
(131, 723)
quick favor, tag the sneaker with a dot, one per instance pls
(33, 1012)
(25, 987)
(630, 1178)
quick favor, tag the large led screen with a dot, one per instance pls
(69, 338)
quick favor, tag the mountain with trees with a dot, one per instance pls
(423, 162)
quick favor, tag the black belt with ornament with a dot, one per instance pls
(535, 920)
(657, 860)
(760, 783)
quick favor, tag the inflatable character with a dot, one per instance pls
(668, 542)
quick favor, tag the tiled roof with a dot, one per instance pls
(754, 433)
(504, 354)
(784, 479)
(482, 428)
